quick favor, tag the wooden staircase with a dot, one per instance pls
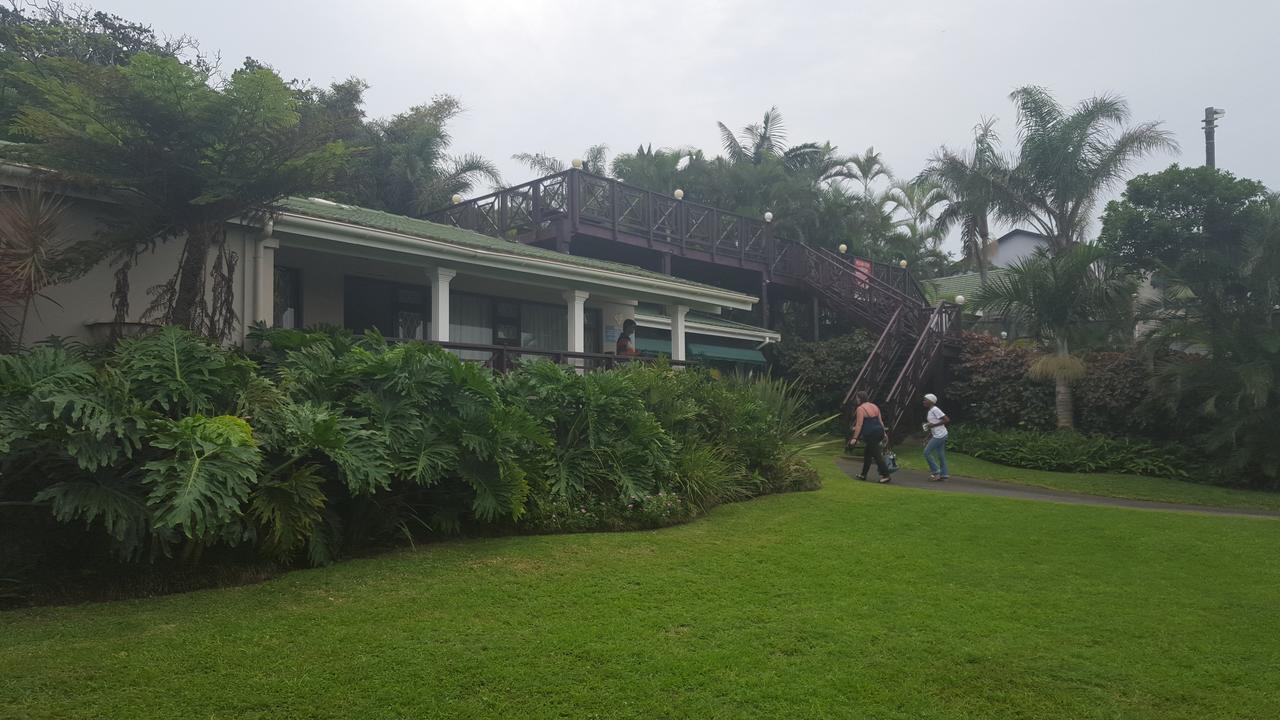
(912, 335)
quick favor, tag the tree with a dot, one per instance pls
(195, 155)
(1057, 296)
(1213, 242)
(1188, 222)
(32, 256)
(1066, 159)
(656, 170)
(964, 179)
(402, 163)
(595, 159)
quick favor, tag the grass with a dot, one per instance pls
(1105, 484)
(859, 601)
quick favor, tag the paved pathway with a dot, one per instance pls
(973, 486)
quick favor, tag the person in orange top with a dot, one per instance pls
(627, 340)
(868, 428)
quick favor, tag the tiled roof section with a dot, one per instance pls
(967, 284)
(378, 220)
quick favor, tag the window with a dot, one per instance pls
(287, 300)
(544, 327)
(594, 330)
(506, 323)
(396, 311)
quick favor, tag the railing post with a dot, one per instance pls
(574, 202)
(649, 212)
(614, 209)
(537, 207)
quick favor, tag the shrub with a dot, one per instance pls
(1065, 451)
(822, 370)
(990, 388)
(168, 446)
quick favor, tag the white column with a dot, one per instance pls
(677, 330)
(440, 278)
(576, 299)
(264, 280)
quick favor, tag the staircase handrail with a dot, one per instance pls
(920, 359)
(879, 358)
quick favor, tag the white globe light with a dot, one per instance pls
(456, 199)
(843, 248)
(576, 163)
(768, 217)
(1004, 335)
(959, 299)
(679, 194)
(902, 264)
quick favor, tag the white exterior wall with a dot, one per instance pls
(1016, 247)
(71, 306)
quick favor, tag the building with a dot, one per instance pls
(316, 262)
(553, 268)
(1015, 246)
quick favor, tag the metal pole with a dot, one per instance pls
(1210, 122)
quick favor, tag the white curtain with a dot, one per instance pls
(544, 327)
(471, 321)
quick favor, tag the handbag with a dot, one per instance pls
(891, 461)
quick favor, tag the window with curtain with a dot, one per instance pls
(287, 300)
(544, 327)
(471, 321)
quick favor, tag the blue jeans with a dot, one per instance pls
(937, 448)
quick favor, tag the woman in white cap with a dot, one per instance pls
(935, 449)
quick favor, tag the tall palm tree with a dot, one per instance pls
(966, 179)
(1057, 296)
(1067, 158)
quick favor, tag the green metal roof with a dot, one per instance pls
(379, 220)
(967, 284)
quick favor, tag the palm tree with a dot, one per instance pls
(964, 177)
(658, 170)
(867, 168)
(595, 159)
(1057, 296)
(409, 171)
(756, 142)
(31, 250)
(1067, 159)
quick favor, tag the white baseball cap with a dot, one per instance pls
(931, 398)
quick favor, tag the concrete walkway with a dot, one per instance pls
(973, 486)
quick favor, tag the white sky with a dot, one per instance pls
(555, 77)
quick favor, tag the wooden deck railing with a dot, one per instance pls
(503, 358)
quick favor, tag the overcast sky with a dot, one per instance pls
(555, 77)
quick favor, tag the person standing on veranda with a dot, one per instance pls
(935, 449)
(868, 428)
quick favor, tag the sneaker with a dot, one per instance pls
(944, 478)
(884, 479)
(862, 478)
(933, 477)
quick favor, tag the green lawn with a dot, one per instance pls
(858, 601)
(1106, 484)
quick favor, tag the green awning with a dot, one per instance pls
(722, 352)
(703, 351)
